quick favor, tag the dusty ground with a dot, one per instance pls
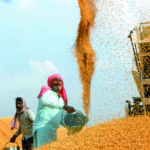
(122, 134)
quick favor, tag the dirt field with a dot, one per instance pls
(123, 134)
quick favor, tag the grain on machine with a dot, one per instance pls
(140, 41)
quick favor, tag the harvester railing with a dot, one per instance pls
(140, 41)
(136, 56)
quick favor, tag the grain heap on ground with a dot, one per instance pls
(6, 133)
(122, 134)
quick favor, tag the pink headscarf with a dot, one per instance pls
(49, 81)
(15, 119)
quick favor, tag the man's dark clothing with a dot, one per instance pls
(27, 144)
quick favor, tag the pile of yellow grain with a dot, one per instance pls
(6, 133)
(123, 134)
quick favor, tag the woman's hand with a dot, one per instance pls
(69, 109)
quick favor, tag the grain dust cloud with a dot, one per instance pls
(84, 51)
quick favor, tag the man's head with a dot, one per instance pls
(19, 104)
(56, 84)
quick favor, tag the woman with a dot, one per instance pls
(52, 107)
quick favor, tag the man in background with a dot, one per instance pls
(26, 119)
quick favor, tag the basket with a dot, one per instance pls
(11, 148)
(74, 122)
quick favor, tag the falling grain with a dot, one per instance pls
(84, 51)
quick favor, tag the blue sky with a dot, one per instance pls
(37, 39)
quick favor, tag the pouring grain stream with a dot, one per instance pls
(84, 51)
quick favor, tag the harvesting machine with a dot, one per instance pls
(140, 41)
